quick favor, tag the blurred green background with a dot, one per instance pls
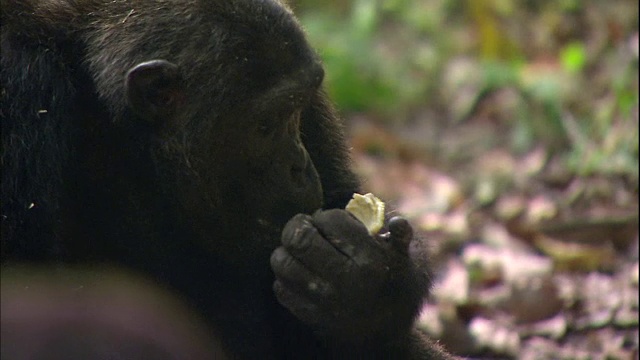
(563, 73)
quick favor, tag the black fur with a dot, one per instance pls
(181, 199)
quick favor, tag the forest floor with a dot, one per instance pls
(532, 262)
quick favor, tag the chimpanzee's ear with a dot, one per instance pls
(154, 90)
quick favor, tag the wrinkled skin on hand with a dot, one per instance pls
(334, 276)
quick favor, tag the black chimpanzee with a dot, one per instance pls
(190, 140)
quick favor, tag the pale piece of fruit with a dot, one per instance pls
(369, 210)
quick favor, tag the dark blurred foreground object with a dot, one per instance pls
(84, 314)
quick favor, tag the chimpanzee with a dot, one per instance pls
(191, 141)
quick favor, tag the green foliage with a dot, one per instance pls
(573, 57)
(354, 80)
(577, 89)
(369, 72)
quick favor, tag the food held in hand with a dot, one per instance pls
(369, 210)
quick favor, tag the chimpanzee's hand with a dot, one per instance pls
(346, 284)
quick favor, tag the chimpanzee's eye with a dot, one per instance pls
(266, 128)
